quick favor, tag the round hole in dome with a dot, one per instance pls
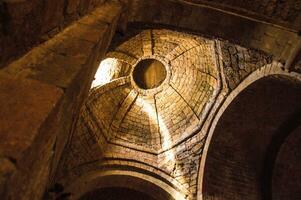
(149, 73)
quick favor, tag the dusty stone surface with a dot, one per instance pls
(53, 80)
(36, 100)
(20, 20)
(24, 140)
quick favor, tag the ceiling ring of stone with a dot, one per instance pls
(161, 87)
(155, 120)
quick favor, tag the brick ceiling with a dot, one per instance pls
(153, 119)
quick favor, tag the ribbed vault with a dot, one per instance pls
(158, 99)
(158, 118)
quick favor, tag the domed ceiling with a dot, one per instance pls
(151, 90)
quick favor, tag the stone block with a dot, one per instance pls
(25, 105)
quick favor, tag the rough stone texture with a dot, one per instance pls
(281, 11)
(13, 138)
(248, 31)
(23, 140)
(46, 88)
(239, 62)
(185, 168)
(20, 20)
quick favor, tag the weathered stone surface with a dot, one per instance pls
(27, 132)
(20, 20)
(251, 32)
(239, 62)
(53, 80)
(280, 11)
(21, 100)
(60, 59)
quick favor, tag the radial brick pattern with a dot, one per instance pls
(121, 120)
(155, 119)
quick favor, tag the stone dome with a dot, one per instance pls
(151, 90)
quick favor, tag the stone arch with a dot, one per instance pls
(230, 179)
(124, 178)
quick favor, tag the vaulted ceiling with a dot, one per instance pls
(158, 118)
(172, 69)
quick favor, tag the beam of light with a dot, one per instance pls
(105, 72)
(167, 160)
(165, 135)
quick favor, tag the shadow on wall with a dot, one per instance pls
(254, 142)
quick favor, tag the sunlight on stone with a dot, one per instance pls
(105, 72)
(166, 139)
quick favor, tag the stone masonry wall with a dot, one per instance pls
(26, 23)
